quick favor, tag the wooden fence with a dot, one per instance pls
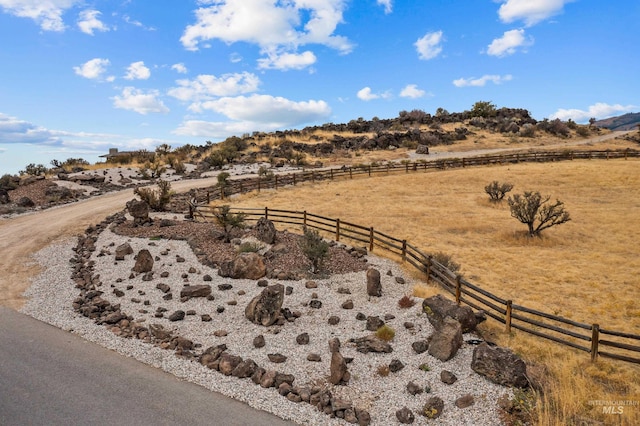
(589, 338)
(276, 181)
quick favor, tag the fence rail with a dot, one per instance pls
(238, 186)
(585, 337)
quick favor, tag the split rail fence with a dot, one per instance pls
(275, 181)
(590, 338)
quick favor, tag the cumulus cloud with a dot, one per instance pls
(133, 99)
(287, 61)
(429, 46)
(94, 69)
(206, 87)
(482, 81)
(179, 68)
(598, 110)
(277, 27)
(412, 91)
(89, 21)
(137, 71)
(387, 4)
(47, 14)
(14, 130)
(509, 43)
(530, 11)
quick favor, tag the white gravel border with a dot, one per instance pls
(51, 294)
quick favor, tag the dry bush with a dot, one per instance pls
(385, 333)
(383, 370)
(406, 302)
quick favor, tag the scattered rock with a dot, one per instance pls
(374, 286)
(266, 231)
(374, 323)
(245, 266)
(432, 409)
(144, 262)
(348, 304)
(338, 373)
(500, 365)
(311, 284)
(123, 250)
(201, 290)
(414, 389)
(333, 320)
(448, 377)
(314, 357)
(177, 316)
(277, 358)
(371, 344)
(396, 365)
(446, 341)
(303, 339)
(264, 309)
(438, 308)
(258, 341)
(465, 401)
(405, 416)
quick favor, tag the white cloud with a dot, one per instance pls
(47, 14)
(137, 71)
(88, 22)
(179, 68)
(275, 111)
(388, 5)
(366, 95)
(254, 113)
(13, 130)
(598, 110)
(509, 43)
(94, 69)
(288, 61)
(428, 46)
(482, 81)
(412, 91)
(206, 87)
(235, 57)
(135, 23)
(136, 100)
(277, 27)
(530, 11)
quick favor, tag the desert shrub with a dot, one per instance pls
(385, 333)
(249, 247)
(34, 169)
(383, 370)
(228, 221)
(156, 198)
(446, 261)
(264, 173)
(179, 167)
(406, 302)
(314, 247)
(528, 130)
(9, 182)
(536, 212)
(582, 131)
(497, 190)
(483, 109)
(424, 367)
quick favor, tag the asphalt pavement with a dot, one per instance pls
(52, 377)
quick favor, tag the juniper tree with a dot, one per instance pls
(314, 247)
(497, 190)
(536, 212)
(228, 221)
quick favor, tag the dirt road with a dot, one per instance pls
(24, 235)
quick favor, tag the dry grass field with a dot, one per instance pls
(586, 270)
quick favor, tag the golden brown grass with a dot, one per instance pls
(585, 270)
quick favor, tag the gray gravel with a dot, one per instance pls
(51, 294)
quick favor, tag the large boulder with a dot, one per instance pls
(144, 262)
(371, 344)
(446, 341)
(266, 231)
(264, 309)
(25, 202)
(500, 365)
(438, 308)
(139, 210)
(122, 250)
(338, 369)
(374, 286)
(246, 265)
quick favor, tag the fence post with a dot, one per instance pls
(294, 179)
(259, 180)
(331, 172)
(304, 218)
(507, 319)
(208, 197)
(371, 239)
(387, 168)
(276, 183)
(337, 229)
(458, 289)
(241, 191)
(463, 164)
(350, 173)
(404, 250)
(595, 339)
(428, 268)
(266, 212)
(222, 193)
(190, 211)
(313, 177)
(406, 167)
(369, 170)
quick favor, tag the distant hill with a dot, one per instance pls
(628, 121)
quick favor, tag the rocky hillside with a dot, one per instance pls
(628, 121)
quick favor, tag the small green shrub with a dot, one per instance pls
(385, 333)
(156, 198)
(315, 248)
(249, 247)
(425, 367)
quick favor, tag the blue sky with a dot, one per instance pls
(78, 77)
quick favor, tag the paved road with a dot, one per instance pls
(51, 377)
